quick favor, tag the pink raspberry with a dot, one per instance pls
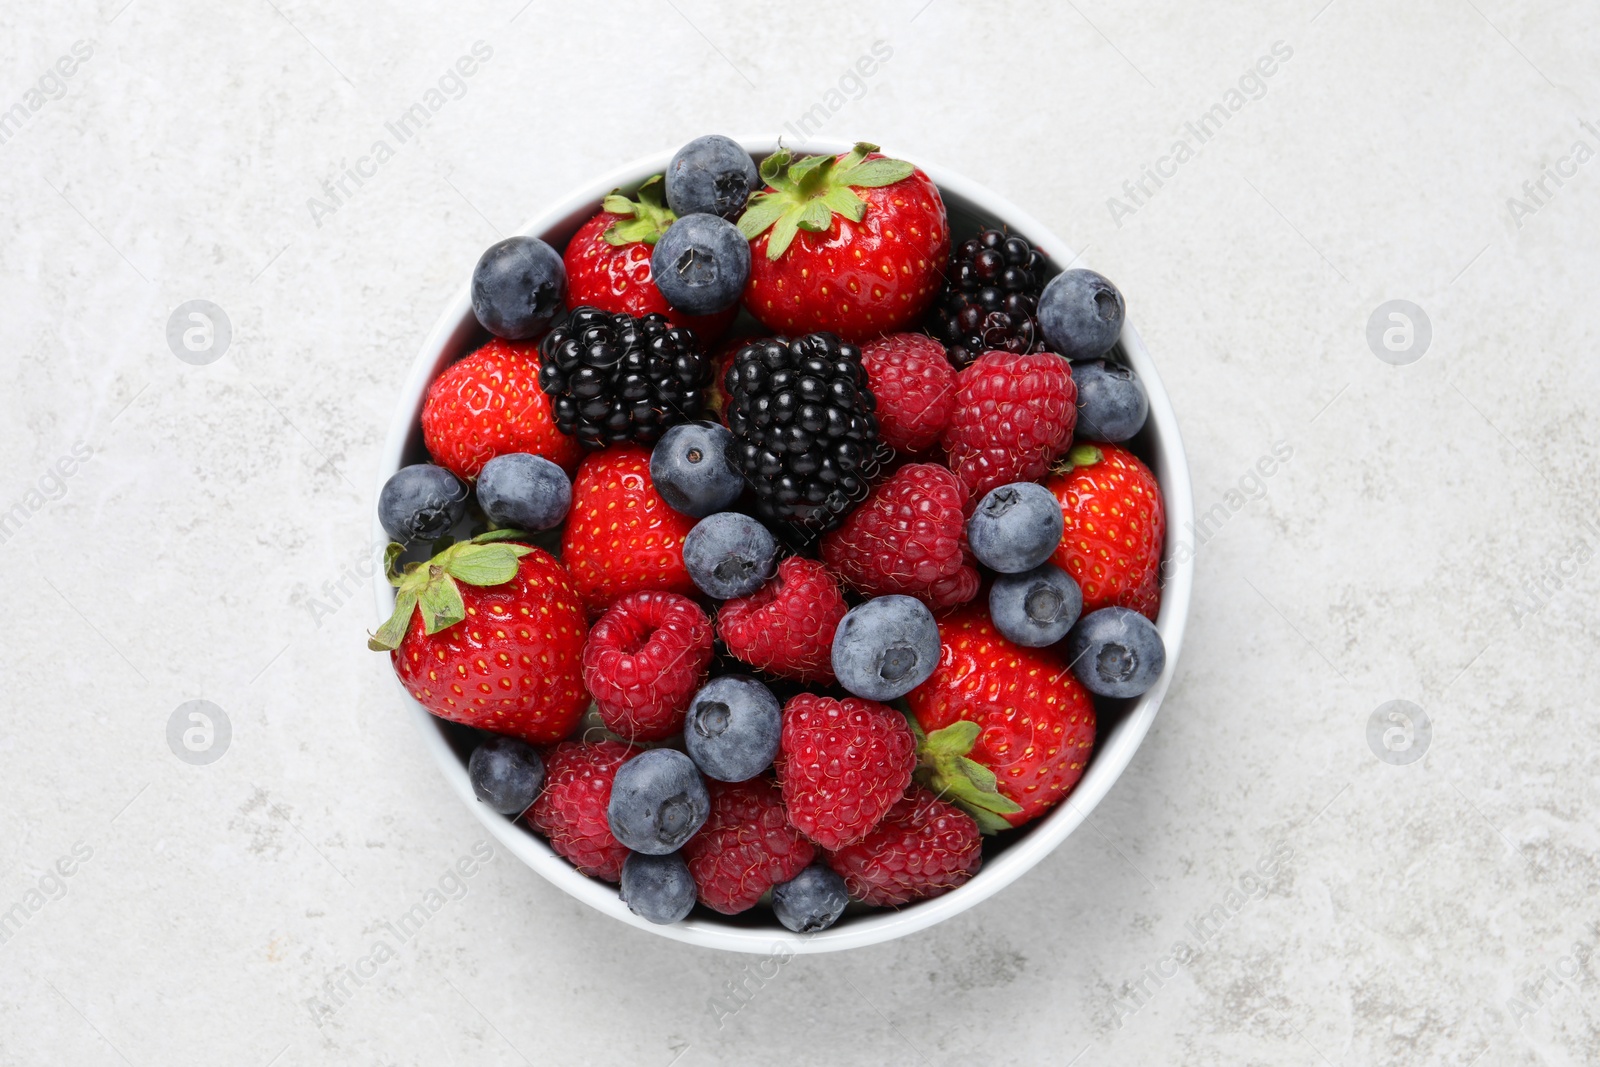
(915, 386)
(786, 627)
(644, 659)
(1014, 416)
(909, 537)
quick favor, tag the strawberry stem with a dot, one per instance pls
(806, 194)
(432, 587)
(644, 219)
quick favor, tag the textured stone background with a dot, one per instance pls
(1430, 538)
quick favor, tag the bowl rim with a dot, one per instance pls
(1110, 759)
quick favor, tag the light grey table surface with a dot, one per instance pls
(179, 532)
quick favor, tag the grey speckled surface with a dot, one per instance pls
(1443, 911)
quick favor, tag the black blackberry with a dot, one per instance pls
(990, 298)
(804, 433)
(612, 377)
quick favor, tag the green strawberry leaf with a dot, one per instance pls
(643, 219)
(479, 564)
(954, 740)
(988, 822)
(783, 232)
(806, 194)
(843, 202)
(948, 770)
(875, 173)
(773, 166)
(389, 635)
(763, 211)
(391, 556)
(508, 534)
(441, 604)
(808, 166)
(816, 217)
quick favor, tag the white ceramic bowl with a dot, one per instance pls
(1121, 729)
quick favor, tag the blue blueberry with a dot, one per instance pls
(1111, 401)
(506, 774)
(712, 175)
(1015, 527)
(1035, 608)
(524, 491)
(729, 554)
(690, 469)
(517, 287)
(701, 264)
(1081, 314)
(657, 888)
(810, 901)
(1116, 652)
(658, 801)
(886, 647)
(733, 728)
(421, 503)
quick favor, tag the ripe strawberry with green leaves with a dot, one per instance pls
(854, 245)
(489, 633)
(621, 537)
(1115, 522)
(489, 404)
(1006, 731)
(608, 261)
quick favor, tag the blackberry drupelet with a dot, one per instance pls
(991, 298)
(612, 377)
(804, 433)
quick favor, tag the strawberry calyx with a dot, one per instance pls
(806, 193)
(432, 586)
(1079, 456)
(644, 219)
(945, 767)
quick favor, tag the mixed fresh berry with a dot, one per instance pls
(805, 608)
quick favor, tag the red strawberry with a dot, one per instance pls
(489, 634)
(1014, 417)
(908, 536)
(854, 245)
(911, 377)
(786, 627)
(571, 809)
(842, 765)
(745, 847)
(1115, 524)
(1008, 729)
(644, 660)
(608, 262)
(717, 397)
(621, 537)
(922, 848)
(488, 404)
